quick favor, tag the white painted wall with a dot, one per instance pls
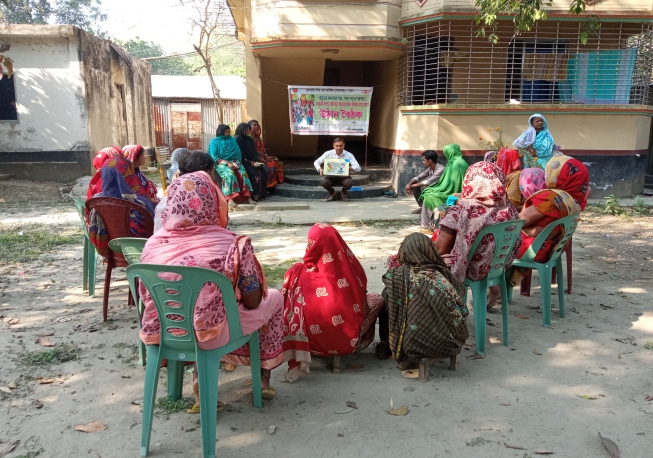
(49, 94)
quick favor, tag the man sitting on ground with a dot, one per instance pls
(338, 152)
(428, 177)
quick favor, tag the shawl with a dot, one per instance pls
(531, 180)
(119, 181)
(424, 301)
(451, 180)
(541, 142)
(323, 300)
(174, 162)
(192, 234)
(246, 144)
(571, 176)
(95, 185)
(484, 202)
(131, 152)
(224, 147)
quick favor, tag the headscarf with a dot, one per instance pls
(484, 202)
(426, 313)
(246, 144)
(132, 152)
(541, 142)
(224, 147)
(95, 185)
(490, 156)
(191, 222)
(531, 180)
(174, 162)
(323, 300)
(451, 180)
(571, 176)
(508, 161)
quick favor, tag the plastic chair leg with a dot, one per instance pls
(545, 288)
(561, 287)
(142, 354)
(107, 284)
(85, 262)
(504, 308)
(175, 379)
(568, 253)
(255, 361)
(149, 397)
(207, 373)
(509, 286)
(479, 292)
(92, 268)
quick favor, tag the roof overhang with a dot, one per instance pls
(237, 8)
(338, 48)
(32, 30)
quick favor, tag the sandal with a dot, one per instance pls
(196, 408)
(268, 393)
(229, 367)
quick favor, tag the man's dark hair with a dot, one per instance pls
(338, 139)
(195, 161)
(430, 154)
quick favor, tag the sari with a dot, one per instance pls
(95, 185)
(119, 181)
(326, 309)
(424, 302)
(257, 175)
(274, 166)
(131, 152)
(568, 182)
(484, 202)
(531, 180)
(451, 180)
(509, 162)
(224, 150)
(541, 142)
(194, 234)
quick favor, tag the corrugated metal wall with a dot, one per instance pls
(162, 111)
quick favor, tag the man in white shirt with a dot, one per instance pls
(338, 152)
(429, 177)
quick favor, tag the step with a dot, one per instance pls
(314, 180)
(648, 180)
(6, 177)
(305, 192)
(375, 173)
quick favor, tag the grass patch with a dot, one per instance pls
(31, 454)
(130, 351)
(169, 406)
(274, 273)
(24, 243)
(58, 354)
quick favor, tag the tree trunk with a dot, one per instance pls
(216, 95)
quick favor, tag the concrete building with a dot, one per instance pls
(185, 113)
(71, 95)
(435, 82)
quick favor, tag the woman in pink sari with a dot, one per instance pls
(193, 234)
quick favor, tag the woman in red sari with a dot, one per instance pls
(136, 154)
(275, 170)
(95, 185)
(326, 309)
(509, 162)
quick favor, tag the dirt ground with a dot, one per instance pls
(553, 389)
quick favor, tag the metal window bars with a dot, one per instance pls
(445, 62)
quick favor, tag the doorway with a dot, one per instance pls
(186, 120)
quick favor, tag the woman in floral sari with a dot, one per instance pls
(274, 166)
(224, 150)
(194, 234)
(326, 309)
(509, 162)
(424, 305)
(536, 142)
(120, 181)
(136, 154)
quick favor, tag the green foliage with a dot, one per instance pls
(85, 14)
(641, 207)
(612, 205)
(168, 406)
(170, 66)
(26, 243)
(58, 354)
(525, 13)
(225, 60)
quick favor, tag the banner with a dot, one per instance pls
(321, 110)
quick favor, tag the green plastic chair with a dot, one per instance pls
(90, 255)
(177, 297)
(505, 236)
(545, 270)
(131, 248)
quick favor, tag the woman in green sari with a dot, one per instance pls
(225, 152)
(450, 182)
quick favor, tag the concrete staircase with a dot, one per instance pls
(648, 185)
(305, 183)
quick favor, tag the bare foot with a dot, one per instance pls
(494, 298)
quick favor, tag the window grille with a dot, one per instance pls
(445, 62)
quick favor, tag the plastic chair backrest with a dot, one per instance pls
(505, 236)
(569, 225)
(130, 247)
(80, 204)
(177, 297)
